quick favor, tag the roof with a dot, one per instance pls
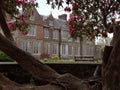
(59, 23)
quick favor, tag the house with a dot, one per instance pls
(50, 35)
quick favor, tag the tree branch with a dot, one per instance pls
(27, 61)
(4, 26)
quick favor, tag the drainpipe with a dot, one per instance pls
(81, 53)
(59, 44)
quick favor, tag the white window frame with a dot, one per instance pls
(36, 47)
(77, 51)
(77, 40)
(89, 51)
(69, 38)
(70, 50)
(32, 17)
(50, 23)
(55, 49)
(64, 35)
(55, 34)
(32, 31)
(47, 48)
(46, 33)
(64, 49)
(25, 45)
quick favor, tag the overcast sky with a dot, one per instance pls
(45, 9)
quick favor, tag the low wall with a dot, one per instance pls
(16, 73)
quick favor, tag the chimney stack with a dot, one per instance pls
(63, 16)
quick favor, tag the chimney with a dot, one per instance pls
(63, 16)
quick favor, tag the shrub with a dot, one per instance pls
(55, 57)
(45, 59)
(44, 55)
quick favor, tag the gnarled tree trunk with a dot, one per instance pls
(111, 64)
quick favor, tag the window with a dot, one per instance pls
(77, 51)
(32, 17)
(32, 31)
(63, 49)
(64, 35)
(50, 22)
(47, 48)
(55, 34)
(55, 49)
(25, 45)
(69, 38)
(77, 40)
(89, 51)
(88, 41)
(36, 46)
(69, 50)
(46, 33)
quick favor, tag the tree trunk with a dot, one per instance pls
(111, 68)
(27, 61)
(4, 26)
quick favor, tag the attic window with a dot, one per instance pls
(50, 22)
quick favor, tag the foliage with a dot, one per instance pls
(4, 57)
(55, 57)
(19, 12)
(44, 55)
(91, 17)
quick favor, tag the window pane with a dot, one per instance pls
(55, 34)
(46, 33)
(36, 47)
(89, 51)
(77, 51)
(32, 31)
(50, 23)
(47, 48)
(55, 49)
(63, 49)
(69, 50)
(25, 45)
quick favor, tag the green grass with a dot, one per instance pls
(71, 61)
(4, 57)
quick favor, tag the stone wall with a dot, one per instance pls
(17, 74)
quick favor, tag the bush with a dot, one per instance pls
(44, 55)
(55, 57)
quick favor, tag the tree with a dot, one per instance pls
(89, 17)
(29, 63)
(92, 17)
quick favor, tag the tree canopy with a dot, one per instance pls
(19, 12)
(91, 17)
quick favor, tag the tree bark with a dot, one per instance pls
(4, 26)
(27, 61)
(111, 68)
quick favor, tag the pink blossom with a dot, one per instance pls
(67, 9)
(70, 28)
(23, 16)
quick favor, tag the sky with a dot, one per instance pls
(45, 9)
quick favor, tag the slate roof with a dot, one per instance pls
(58, 23)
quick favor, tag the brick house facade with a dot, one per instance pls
(50, 35)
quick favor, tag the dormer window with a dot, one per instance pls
(50, 23)
(55, 34)
(46, 33)
(32, 31)
(32, 17)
